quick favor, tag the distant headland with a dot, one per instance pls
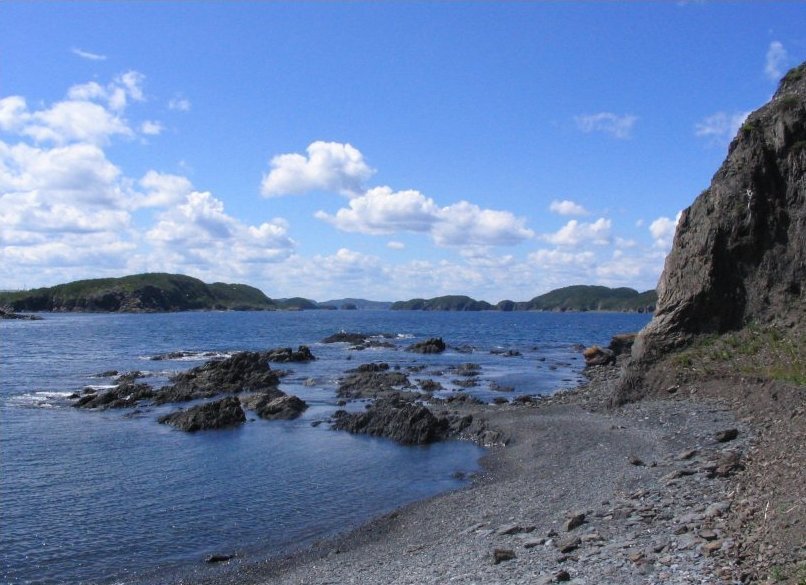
(162, 292)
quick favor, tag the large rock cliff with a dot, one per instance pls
(739, 253)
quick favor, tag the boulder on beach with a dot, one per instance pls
(598, 356)
(220, 414)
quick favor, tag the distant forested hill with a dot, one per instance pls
(138, 293)
(446, 303)
(592, 298)
(570, 298)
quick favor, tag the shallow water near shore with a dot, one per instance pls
(101, 497)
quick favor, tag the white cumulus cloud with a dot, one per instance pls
(151, 128)
(566, 207)
(329, 166)
(575, 232)
(776, 61)
(663, 229)
(618, 126)
(384, 211)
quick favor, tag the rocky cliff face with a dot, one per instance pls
(739, 254)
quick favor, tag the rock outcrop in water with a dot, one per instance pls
(274, 405)
(433, 345)
(372, 380)
(126, 395)
(247, 371)
(220, 414)
(402, 421)
(739, 254)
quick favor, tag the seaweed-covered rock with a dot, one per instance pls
(220, 414)
(247, 371)
(433, 345)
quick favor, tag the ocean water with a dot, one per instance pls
(114, 497)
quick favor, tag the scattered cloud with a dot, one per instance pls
(663, 229)
(329, 166)
(618, 126)
(720, 127)
(382, 211)
(151, 128)
(87, 55)
(66, 211)
(395, 245)
(566, 207)
(179, 104)
(575, 233)
(776, 61)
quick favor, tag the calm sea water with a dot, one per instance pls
(113, 496)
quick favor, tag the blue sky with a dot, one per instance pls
(376, 150)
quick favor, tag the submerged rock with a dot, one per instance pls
(220, 414)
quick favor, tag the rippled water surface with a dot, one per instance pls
(101, 497)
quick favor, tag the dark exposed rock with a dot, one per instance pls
(345, 337)
(247, 371)
(575, 519)
(272, 406)
(218, 558)
(467, 369)
(286, 354)
(503, 554)
(597, 356)
(404, 422)
(7, 313)
(125, 395)
(505, 352)
(178, 355)
(738, 253)
(430, 385)
(433, 345)
(220, 414)
(371, 381)
(726, 435)
(622, 343)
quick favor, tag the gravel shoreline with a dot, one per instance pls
(638, 494)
